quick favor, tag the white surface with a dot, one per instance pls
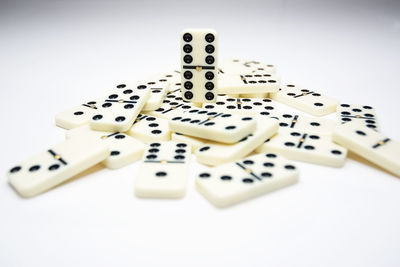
(56, 55)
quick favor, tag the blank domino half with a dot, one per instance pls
(199, 49)
(216, 126)
(305, 100)
(303, 146)
(56, 165)
(370, 145)
(124, 149)
(164, 170)
(216, 153)
(247, 178)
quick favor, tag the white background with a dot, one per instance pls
(55, 55)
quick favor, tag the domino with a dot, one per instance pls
(77, 116)
(55, 165)
(369, 144)
(216, 153)
(173, 105)
(258, 95)
(247, 178)
(260, 67)
(175, 84)
(199, 65)
(118, 111)
(305, 100)
(245, 106)
(216, 126)
(305, 123)
(164, 170)
(248, 83)
(306, 147)
(236, 66)
(150, 129)
(366, 114)
(124, 149)
(158, 89)
(194, 142)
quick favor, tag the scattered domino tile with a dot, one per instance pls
(194, 142)
(259, 67)
(369, 144)
(247, 178)
(164, 171)
(118, 111)
(346, 113)
(158, 89)
(222, 127)
(76, 116)
(303, 146)
(56, 165)
(248, 83)
(172, 106)
(149, 129)
(246, 106)
(236, 66)
(124, 149)
(176, 82)
(216, 153)
(199, 65)
(305, 100)
(304, 123)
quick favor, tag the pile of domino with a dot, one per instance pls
(223, 113)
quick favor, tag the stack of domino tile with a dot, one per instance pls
(225, 113)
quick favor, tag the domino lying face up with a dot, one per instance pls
(199, 65)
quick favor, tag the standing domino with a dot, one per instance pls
(217, 153)
(164, 171)
(76, 116)
(365, 114)
(56, 165)
(369, 144)
(235, 182)
(216, 126)
(124, 149)
(302, 146)
(199, 65)
(305, 100)
(120, 109)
